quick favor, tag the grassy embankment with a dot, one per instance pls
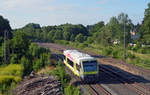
(138, 59)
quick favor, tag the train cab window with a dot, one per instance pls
(90, 66)
(78, 67)
(69, 62)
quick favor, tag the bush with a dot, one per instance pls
(130, 55)
(81, 46)
(85, 44)
(42, 61)
(12, 69)
(71, 90)
(9, 76)
(61, 74)
(107, 51)
(63, 42)
(115, 53)
(27, 66)
(14, 59)
(35, 50)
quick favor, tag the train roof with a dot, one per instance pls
(77, 56)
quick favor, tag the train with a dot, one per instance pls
(82, 65)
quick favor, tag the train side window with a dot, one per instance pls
(78, 67)
(70, 62)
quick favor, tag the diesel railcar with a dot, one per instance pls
(82, 65)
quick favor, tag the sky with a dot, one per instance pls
(56, 12)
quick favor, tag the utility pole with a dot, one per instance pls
(6, 48)
(124, 43)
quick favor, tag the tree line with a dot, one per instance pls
(28, 56)
(99, 33)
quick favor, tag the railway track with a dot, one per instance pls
(130, 84)
(100, 89)
(96, 89)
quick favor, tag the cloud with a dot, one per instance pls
(22, 4)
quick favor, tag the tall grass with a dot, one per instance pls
(9, 76)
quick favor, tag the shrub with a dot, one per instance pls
(42, 61)
(81, 46)
(12, 69)
(71, 90)
(9, 76)
(85, 44)
(107, 51)
(115, 53)
(130, 55)
(14, 59)
(63, 42)
(27, 66)
(61, 74)
(35, 51)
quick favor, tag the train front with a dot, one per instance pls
(90, 70)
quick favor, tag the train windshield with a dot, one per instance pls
(89, 66)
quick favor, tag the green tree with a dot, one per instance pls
(4, 25)
(79, 38)
(42, 61)
(71, 90)
(27, 65)
(58, 35)
(19, 44)
(145, 35)
(51, 35)
(124, 20)
(14, 59)
(96, 27)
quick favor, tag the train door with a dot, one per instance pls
(81, 70)
(65, 59)
(78, 67)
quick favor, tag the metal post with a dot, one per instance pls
(124, 43)
(6, 48)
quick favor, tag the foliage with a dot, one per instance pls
(14, 59)
(10, 75)
(113, 31)
(60, 72)
(19, 44)
(145, 34)
(42, 61)
(65, 79)
(63, 42)
(79, 38)
(40, 57)
(4, 25)
(27, 65)
(50, 33)
(96, 27)
(71, 90)
(107, 51)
